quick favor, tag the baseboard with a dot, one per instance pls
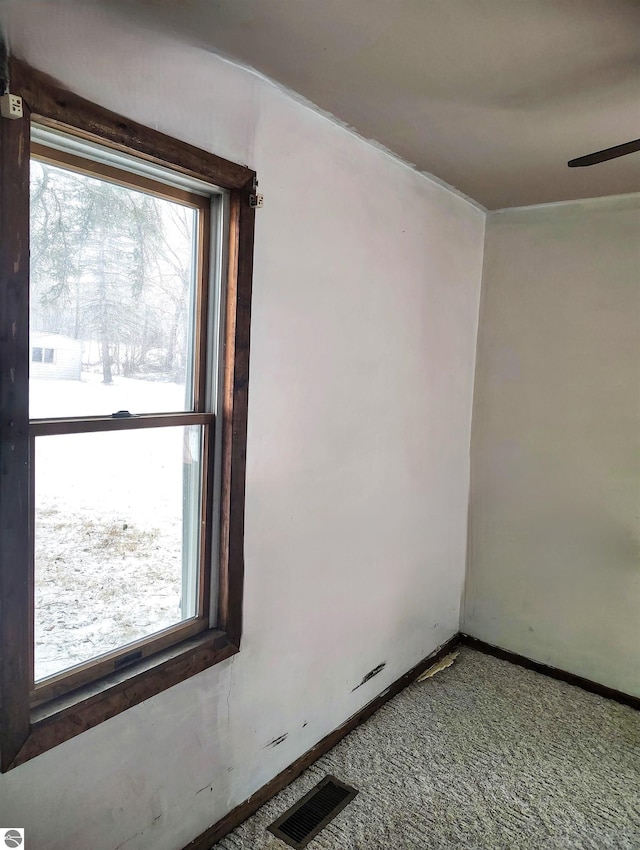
(553, 672)
(263, 795)
(245, 810)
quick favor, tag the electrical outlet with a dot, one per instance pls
(11, 106)
(256, 201)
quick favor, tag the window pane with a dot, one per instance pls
(36, 355)
(112, 291)
(48, 355)
(116, 540)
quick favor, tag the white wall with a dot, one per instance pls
(367, 280)
(554, 565)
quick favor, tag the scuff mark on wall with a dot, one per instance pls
(370, 675)
(206, 788)
(127, 840)
(276, 741)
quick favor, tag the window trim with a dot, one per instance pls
(27, 731)
(98, 667)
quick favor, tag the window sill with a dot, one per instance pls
(70, 715)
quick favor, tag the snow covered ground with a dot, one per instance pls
(108, 527)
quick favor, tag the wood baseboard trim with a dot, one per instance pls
(553, 672)
(245, 810)
(238, 815)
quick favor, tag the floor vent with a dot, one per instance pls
(304, 820)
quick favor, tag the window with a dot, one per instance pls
(121, 262)
(41, 355)
(122, 504)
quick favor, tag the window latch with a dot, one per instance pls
(121, 414)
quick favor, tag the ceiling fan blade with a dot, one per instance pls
(607, 153)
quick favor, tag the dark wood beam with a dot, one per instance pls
(51, 103)
(14, 437)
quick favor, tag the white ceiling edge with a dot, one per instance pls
(373, 143)
(458, 192)
(626, 198)
(347, 128)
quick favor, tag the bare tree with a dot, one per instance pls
(113, 265)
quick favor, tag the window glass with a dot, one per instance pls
(117, 517)
(113, 282)
(36, 355)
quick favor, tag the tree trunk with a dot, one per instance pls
(107, 377)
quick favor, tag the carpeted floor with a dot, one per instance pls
(485, 755)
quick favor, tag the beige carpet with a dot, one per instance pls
(485, 755)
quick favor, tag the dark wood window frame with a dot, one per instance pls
(28, 728)
(200, 416)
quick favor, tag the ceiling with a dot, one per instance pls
(490, 96)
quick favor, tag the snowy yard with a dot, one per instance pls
(108, 530)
